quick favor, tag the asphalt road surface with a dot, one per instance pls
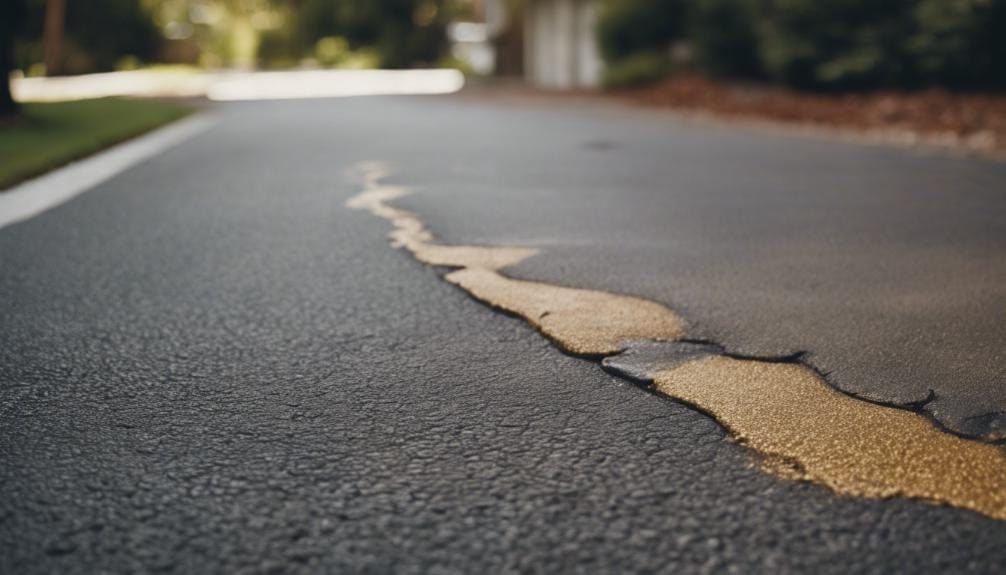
(209, 364)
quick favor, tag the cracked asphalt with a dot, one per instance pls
(208, 364)
(885, 268)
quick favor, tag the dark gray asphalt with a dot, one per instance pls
(887, 268)
(209, 365)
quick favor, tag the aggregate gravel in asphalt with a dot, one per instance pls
(208, 364)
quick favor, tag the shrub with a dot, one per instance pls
(815, 44)
(628, 27)
(401, 32)
(278, 49)
(724, 35)
(636, 70)
(97, 34)
(960, 43)
(331, 50)
(838, 43)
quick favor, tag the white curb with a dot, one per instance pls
(34, 196)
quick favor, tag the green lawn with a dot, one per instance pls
(49, 135)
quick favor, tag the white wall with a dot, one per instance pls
(560, 46)
(589, 63)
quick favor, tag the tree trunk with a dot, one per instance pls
(8, 107)
(52, 39)
(10, 16)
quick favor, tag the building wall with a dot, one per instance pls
(560, 44)
(590, 64)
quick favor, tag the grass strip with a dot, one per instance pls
(48, 135)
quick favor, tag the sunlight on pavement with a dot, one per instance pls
(229, 86)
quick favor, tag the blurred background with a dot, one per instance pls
(925, 66)
(806, 44)
(54, 37)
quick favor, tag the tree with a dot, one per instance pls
(627, 28)
(403, 33)
(52, 39)
(11, 15)
(91, 36)
(725, 36)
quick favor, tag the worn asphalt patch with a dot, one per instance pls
(884, 267)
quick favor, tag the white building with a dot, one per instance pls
(560, 44)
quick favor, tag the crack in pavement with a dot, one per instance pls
(803, 428)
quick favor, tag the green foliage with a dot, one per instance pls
(98, 34)
(837, 44)
(278, 49)
(11, 15)
(636, 70)
(960, 42)
(725, 36)
(49, 135)
(331, 50)
(109, 29)
(403, 33)
(816, 44)
(628, 27)
(844, 44)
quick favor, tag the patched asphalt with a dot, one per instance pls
(209, 364)
(884, 268)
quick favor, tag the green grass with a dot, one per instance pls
(49, 135)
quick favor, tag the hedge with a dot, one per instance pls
(822, 45)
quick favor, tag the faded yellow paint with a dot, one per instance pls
(805, 429)
(580, 321)
(469, 257)
(411, 234)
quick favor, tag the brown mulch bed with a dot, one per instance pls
(972, 122)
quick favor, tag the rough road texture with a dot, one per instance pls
(785, 411)
(208, 364)
(886, 267)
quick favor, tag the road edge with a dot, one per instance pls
(34, 196)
